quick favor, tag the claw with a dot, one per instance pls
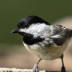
(63, 69)
(35, 68)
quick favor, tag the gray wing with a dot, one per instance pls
(60, 34)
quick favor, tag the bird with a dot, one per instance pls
(44, 40)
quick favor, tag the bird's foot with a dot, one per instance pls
(63, 69)
(35, 68)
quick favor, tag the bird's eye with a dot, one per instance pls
(26, 25)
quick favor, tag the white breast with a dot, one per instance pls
(45, 51)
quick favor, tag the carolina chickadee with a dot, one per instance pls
(44, 40)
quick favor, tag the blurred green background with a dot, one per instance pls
(11, 11)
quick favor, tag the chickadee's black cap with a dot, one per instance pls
(27, 21)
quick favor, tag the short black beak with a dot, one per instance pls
(15, 31)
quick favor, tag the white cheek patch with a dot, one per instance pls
(39, 29)
(22, 30)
